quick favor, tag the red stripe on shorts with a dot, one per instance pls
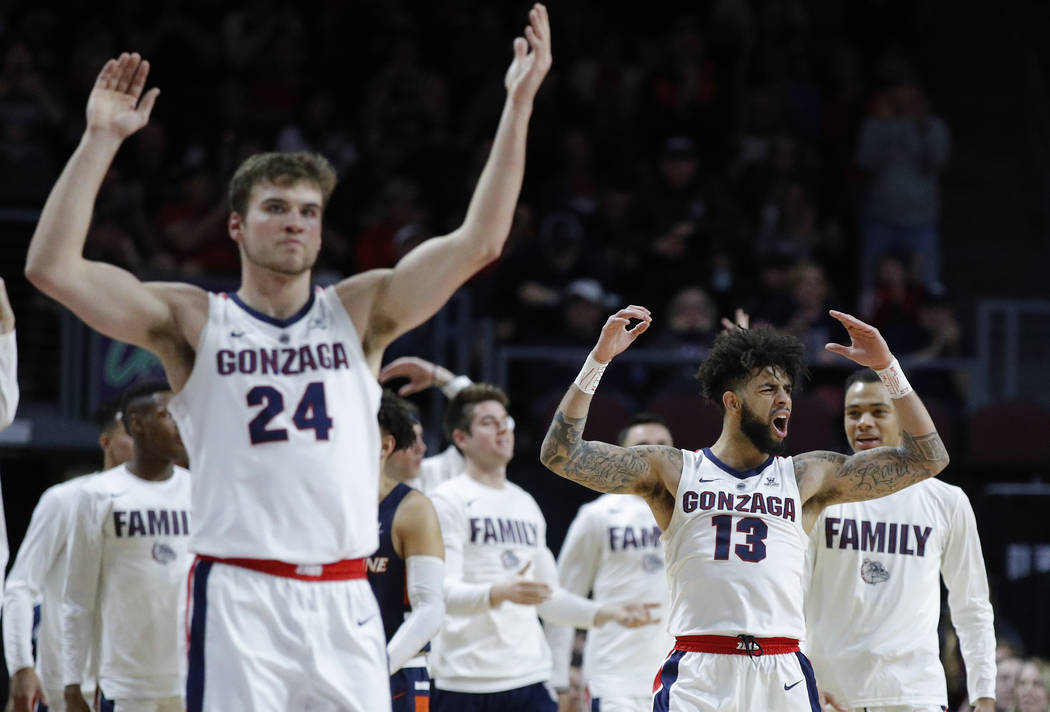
(733, 645)
(339, 571)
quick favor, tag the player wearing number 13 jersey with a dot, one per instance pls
(276, 394)
(735, 515)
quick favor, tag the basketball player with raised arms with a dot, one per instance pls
(735, 515)
(407, 571)
(38, 577)
(128, 556)
(612, 550)
(276, 394)
(874, 598)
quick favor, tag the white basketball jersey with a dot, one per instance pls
(736, 550)
(279, 420)
(874, 599)
(613, 550)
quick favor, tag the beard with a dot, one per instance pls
(757, 431)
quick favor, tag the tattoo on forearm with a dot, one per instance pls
(598, 465)
(889, 469)
(932, 448)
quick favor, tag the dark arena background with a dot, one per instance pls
(732, 155)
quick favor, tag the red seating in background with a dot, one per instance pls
(1011, 432)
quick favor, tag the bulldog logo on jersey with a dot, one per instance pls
(509, 559)
(872, 571)
(651, 563)
(162, 553)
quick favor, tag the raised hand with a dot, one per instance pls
(114, 105)
(741, 320)
(867, 347)
(421, 374)
(532, 57)
(616, 337)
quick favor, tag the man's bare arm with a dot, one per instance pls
(602, 466)
(644, 470)
(426, 277)
(109, 299)
(829, 477)
(872, 473)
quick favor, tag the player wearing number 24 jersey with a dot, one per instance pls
(735, 515)
(276, 394)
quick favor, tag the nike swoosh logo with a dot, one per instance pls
(400, 694)
(707, 480)
(788, 687)
(365, 620)
(236, 334)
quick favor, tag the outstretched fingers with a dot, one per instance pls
(852, 323)
(138, 79)
(146, 105)
(129, 64)
(107, 76)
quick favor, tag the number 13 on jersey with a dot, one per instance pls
(754, 547)
(310, 414)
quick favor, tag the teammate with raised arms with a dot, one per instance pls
(735, 516)
(276, 393)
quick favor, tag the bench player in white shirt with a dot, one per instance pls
(8, 398)
(491, 655)
(277, 397)
(874, 598)
(128, 556)
(735, 516)
(612, 549)
(38, 577)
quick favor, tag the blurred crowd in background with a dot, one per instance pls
(771, 156)
(780, 157)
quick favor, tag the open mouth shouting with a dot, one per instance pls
(780, 423)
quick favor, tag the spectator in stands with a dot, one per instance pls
(30, 120)
(1007, 671)
(904, 148)
(1033, 686)
(810, 322)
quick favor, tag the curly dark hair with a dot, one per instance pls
(396, 418)
(738, 353)
(460, 409)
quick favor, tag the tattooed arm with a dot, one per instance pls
(651, 471)
(833, 477)
(827, 478)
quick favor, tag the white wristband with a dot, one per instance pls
(893, 378)
(454, 386)
(590, 374)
